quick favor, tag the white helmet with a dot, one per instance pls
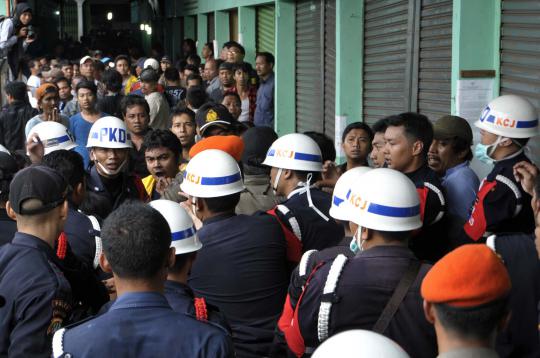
(359, 343)
(53, 135)
(151, 62)
(109, 132)
(183, 233)
(385, 199)
(296, 152)
(509, 116)
(339, 209)
(212, 173)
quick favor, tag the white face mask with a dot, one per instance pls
(109, 172)
(276, 181)
(194, 206)
(357, 244)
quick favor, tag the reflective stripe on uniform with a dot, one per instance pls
(292, 221)
(58, 343)
(329, 290)
(490, 242)
(440, 195)
(302, 267)
(513, 187)
(99, 246)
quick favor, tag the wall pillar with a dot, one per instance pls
(221, 19)
(247, 31)
(189, 27)
(202, 31)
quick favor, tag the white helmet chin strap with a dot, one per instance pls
(276, 180)
(310, 201)
(111, 172)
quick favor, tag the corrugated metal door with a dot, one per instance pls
(385, 58)
(329, 67)
(520, 54)
(233, 25)
(211, 27)
(309, 67)
(266, 28)
(435, 64)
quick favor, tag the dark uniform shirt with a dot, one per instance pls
(104, 195)
(81, 236)
(142, 324)
(38, 297)
(241, 269)
(8, 227)
(365, 286)
(501, 205)
(431, 242)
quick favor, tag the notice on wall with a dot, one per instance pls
(340, 124)
(472, 97)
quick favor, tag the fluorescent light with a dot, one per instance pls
(109, 16)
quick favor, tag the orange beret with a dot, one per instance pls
(469, 276)
(230, 144)
(40, 92)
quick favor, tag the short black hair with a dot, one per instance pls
(210, 45)
(124, 58)
(112, 79)
(459, 144)
(133, 100)
(222, 204)
(235, 95)
(267, 56)
(171, 74)
(241, 66)
(163, 138)
(357, 125)
(99, 66)
(194, 76)
(65, 63)
(391, 236)
(61, 79)
(32, 62)
(195, 58)
(416, 126)
(326, 145)
(380, 126)
(196, 96)
(238, 46)
(180, 261)
(476, 323)
(68, 163)
(17, 90)
(178, 111)
(136, 240)
(89, 85)
(193, 68)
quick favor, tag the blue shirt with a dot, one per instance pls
(80, 128)
(461, 185)
(142, 324)
(264, 112)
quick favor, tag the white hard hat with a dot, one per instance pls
(296, 152)
(342, 190)
(509, 116)
(386, 200)
(53, 135)
(183, 233)
(109, 132)
(151, 62)
(212, 173)
(359, 343)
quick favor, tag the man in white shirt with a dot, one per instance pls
(159, 108)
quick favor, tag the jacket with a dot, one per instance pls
(12, 122)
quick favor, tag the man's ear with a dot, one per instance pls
(10, 212)
(171, 259)
(417, 148)
(287, 173)
(366, 234)
(506, 142)
(104, 263)
(429, 312)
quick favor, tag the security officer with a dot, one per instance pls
(108, 183)
(37, 296)
(295, 159)
(408, 137)
(241, 267)
(506, 125)
(378, 289)
(136, 249)
(214, 119)
(186, 244)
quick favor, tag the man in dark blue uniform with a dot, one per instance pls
(8, 168)
(296, 161)
(241, 267)
(136, 245)
(408, 137)
(378, 289)
(38, 297)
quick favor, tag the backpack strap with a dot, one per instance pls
(397, 297)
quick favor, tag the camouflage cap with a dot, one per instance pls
(452, 126)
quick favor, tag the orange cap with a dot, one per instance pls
(230, 144)
(40, 92)
(469, 276)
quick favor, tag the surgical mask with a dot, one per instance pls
(111, 172)
(483, 152)
(276, 181)
(354, 246)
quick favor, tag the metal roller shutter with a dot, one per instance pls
(520, 54)
(266, 28)
(435, 64)
(385, 55)
(309, 67)
(329, 67)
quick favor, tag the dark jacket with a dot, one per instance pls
(111, 105)
(12, 122)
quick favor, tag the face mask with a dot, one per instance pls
(276, 181)
(353, 246)
(111, 172)
(194, 206)
(483, 152)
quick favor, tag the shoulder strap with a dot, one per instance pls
(515, 190)
(99, 246)
(58, 343)
(397, 297)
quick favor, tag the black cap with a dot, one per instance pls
(8, 166)
(257, 141)
(226, 66)
(213, 114)
(166, 59)
(149, 75)
(37, 182)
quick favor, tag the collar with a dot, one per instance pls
(140, 300)
(387, 251)
(470, 353)
(34, 243)
(270, 77)
(95, 180)
(217, 218)
(455, 169)
(512, 156)
(178, 287)
(301, 189)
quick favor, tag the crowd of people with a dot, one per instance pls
(148, 208)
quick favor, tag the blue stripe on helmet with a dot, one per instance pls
(55, 141)
(229, 179)
(184, 234)
(337, 201)
(394, 211)
(308, 157)
(519, 124)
